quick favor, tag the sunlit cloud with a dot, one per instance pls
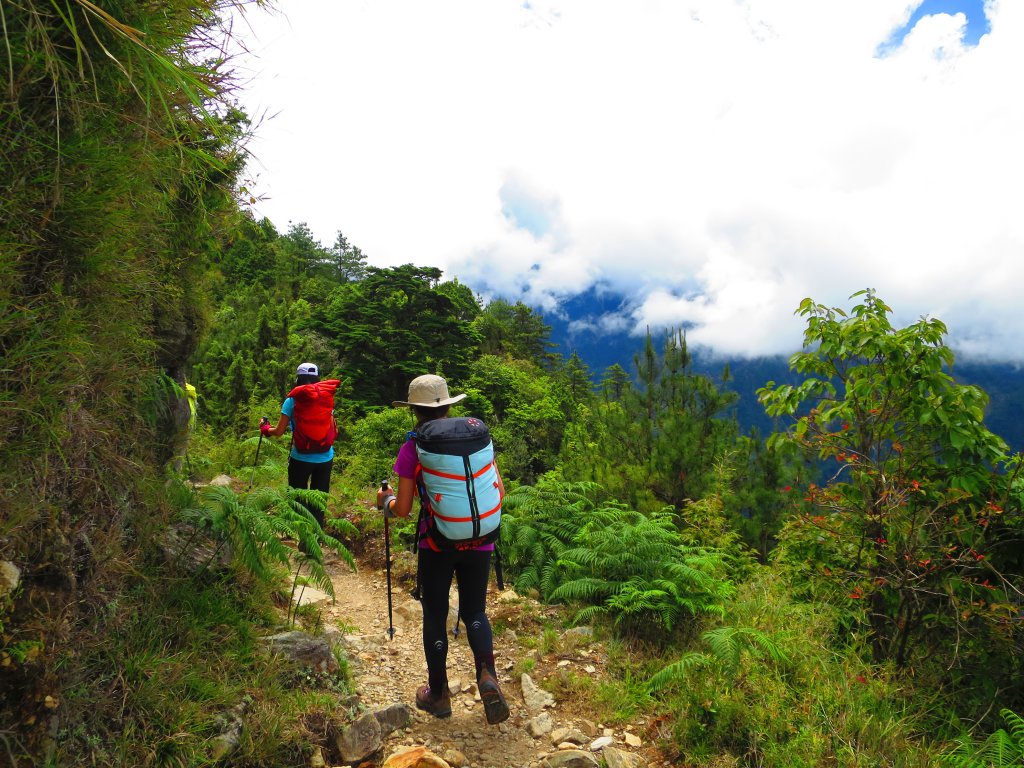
(712, 163)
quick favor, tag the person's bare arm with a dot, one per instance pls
(400, 505)
(282, 425)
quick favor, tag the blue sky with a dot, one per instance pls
(973, 10)
(715, 161)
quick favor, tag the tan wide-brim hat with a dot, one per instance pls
(430, 391)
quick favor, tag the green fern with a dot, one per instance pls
(1002, 749)
(608, 559)
(538, 524)
(636, 569)
(677, 672)
(253, 527)
(726, 645)
(1016, 723)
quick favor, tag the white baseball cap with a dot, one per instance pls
(308, 369)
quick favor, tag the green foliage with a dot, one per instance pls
(1002, 749)
(515, 331)
(907, 526)
(347, 261)
(392, 326)
(725, 645)
(634, 568)
(612, 560)
(119, 153)
(707, 523)
(369, 453)
(524, 409)
(760, 495)
(180, 654)
(770, 688)
(652, 443)
(537, 525)
(253, 526)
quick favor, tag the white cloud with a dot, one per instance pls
(715, 162)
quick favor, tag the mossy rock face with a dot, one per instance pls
(177, 339)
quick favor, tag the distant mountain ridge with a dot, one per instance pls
(1004, 382)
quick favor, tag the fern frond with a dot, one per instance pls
(1001, 751)
(1016, 723)
(728, 643)
(583, 589)
(587, 615)
(551, 576)
(319, 576)
(676, 672)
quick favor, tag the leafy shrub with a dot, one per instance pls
(369, 454)
(538, 523)
(613, 561)
(908, 525)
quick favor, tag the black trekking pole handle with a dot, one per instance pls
(256, 461)
(387, 562)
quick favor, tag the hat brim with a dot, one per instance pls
(431, 404)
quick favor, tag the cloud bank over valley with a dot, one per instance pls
(714, 162)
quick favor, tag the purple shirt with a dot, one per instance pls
(405, 467)
(407, 461)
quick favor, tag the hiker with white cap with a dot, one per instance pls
(308, 412)
(444, 553)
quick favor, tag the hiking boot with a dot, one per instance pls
(438, 706)
(495, 707)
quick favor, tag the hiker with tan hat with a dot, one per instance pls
(449, 463)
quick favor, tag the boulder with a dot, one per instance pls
(359, 739)
(571, 735)
(314, 653)
(307, 595)
(601, 742)
(570, 758)
(394, 717)
(540, 725)
(454, 758)
(535, 698)
(618, 758)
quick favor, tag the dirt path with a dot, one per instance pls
(388, 671)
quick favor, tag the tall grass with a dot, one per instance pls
(117, 156)
(155, 674)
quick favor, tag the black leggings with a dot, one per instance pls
(313, 475)
(471, 569)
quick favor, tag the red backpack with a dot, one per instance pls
(313, 426)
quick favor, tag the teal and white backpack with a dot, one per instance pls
(458, 482)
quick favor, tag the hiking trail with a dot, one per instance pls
(388, 671)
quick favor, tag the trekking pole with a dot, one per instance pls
(387, 561)
(256, 461)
